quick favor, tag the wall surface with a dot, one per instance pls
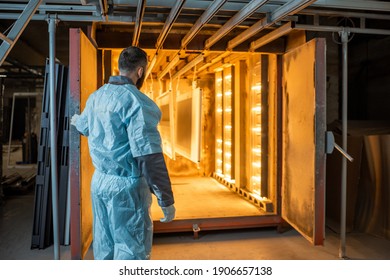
(369, 75)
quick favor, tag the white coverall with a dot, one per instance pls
(125, 146)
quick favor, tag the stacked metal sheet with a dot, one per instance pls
(42, 235)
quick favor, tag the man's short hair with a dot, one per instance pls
(131, 58)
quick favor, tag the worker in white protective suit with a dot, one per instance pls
(125, 146)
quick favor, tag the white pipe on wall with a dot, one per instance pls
(53, 135)
(344, 40)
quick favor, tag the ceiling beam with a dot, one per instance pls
(208, 14)
(214, 60)
(222, 62)
(278, 14)
(273, 35)
(138, 21)
(170, 65)
(239, 17)
(290, 8)
(150, 66)
(189, 66)
(175, 11)
(6, 39)
(36, 71)
(204, 18)
(18, 28)
(103, 9)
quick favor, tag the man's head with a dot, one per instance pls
(132, 63)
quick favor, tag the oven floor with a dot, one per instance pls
(205, 197)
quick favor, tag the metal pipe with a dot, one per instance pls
(354, 5)
(342, 13)
(324, 28)
(28, 136)
(16, 95)
(345, 154)
(344, 40)
(11, 128)
(53, 135)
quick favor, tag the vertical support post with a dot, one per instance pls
(74, 143)
(344, 40)
(264, 182)
(10, 130)
(1, 133)
(53, 135)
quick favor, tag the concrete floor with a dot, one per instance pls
(16, 219)
(243, 244)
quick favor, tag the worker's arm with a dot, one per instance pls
(154, 170)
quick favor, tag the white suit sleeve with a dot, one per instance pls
(81, 121)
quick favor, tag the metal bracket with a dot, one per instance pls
(196, 229)
(331, 144)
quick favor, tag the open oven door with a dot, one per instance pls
(83, 65)
(303, 139)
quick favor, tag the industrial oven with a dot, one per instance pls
(268, 137)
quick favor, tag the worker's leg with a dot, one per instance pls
(131, 224)
(103, 244)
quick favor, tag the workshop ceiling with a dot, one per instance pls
(178, 32)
